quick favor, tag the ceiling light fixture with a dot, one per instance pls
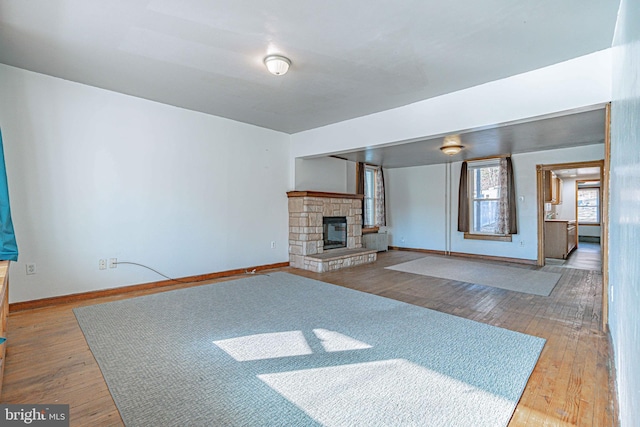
(277, 65)
(451, 145)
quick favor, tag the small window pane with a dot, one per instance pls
(369, 182)
(485, 216)
(486, 183)
(369, 211)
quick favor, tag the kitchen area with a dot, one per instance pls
(572, 214)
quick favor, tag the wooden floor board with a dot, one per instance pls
(48, 360)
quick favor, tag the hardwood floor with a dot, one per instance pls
(48, 360)
(587, 256)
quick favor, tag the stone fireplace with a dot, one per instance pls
(317, 218)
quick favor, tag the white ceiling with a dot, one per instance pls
(579, 174)
(349, 58)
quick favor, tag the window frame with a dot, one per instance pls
(369, 170)
(472, 167)
(582, 185)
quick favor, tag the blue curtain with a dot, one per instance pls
(9, 248)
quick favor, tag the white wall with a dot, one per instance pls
(578, 83)
(589, 230)
(624, 215)
(96, 174)
(415, 200)
(322, 174)
(416, 205)
(351, 177)
(328, 174)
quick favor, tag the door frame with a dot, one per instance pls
(540, 169)
(604, 223)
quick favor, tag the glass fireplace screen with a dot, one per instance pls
(334, 232)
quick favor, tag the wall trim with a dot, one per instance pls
(605, 184)
(425, 251)
(185, 281)
(467, 255)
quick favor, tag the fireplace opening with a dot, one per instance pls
(334, 232)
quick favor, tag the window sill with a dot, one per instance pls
(367, 230)
(495, 237)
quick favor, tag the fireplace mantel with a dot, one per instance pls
(324, 194)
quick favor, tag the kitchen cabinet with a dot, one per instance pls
(552, 188)
(560, 238)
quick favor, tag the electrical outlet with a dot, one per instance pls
(31, 268)
(273, 244)
(113, 262)
(521, 242)
(102, 264)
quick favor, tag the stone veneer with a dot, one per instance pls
(306, 245)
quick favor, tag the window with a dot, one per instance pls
(588, 203)
(487, 200)
(484, 189)
(373, 203)
(369, 196)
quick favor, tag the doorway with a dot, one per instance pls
(574, 205)
(570, 214)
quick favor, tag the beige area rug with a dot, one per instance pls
(510, 278)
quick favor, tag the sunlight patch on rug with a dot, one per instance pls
(387, 393)
(285, 344)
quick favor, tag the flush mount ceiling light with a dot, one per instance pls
(451, 145)
(277, 65)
